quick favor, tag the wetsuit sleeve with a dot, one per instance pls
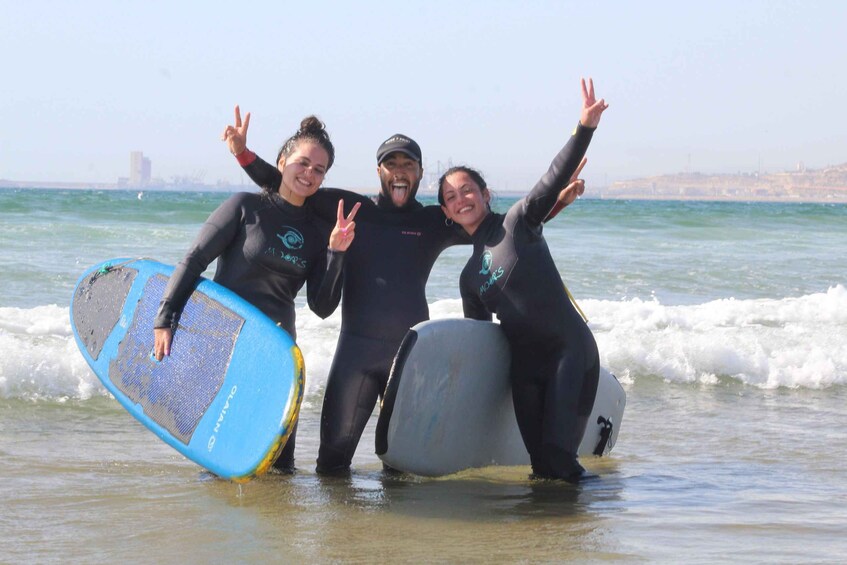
(542, 198)
(214, 237)
(472, 305)
(260, 171)
(325, 204)
(323, 288)
(557, 207)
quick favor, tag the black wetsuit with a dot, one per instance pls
(384, 295)
(555, 363)
(266, 250)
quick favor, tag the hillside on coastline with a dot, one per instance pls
(804, 185)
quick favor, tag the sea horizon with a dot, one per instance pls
(431, 193)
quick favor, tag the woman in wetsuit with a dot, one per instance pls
(555, 364)
(269, 245)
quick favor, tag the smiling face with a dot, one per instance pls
(400, 176)
(302, 172)
(464, 201)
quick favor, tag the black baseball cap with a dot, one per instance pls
(401, 143)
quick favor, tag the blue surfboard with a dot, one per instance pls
(229, 394)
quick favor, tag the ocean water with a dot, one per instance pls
(725, 322)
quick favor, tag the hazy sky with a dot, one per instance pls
(712, 86)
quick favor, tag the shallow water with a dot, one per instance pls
(726, 323)
(700, 474)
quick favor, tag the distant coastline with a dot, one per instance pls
(828, 185)
(822, 185)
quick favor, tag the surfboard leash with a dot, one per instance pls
(109, 267)
(605, 436)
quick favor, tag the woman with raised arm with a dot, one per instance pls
(268, 245)
(555, 364)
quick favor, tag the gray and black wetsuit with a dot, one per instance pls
(384, 295)
(555, 363)
(266, 250)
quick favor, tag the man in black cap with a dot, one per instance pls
(384, 289)
(399, 167)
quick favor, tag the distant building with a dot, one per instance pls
(139, 169)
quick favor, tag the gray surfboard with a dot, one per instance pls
(448, 403)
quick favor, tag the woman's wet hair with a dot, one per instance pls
(313, 130)
(475, 175)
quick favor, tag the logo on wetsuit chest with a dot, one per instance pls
(487, 260)
(293, 240)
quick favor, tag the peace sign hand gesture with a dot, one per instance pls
(345, 228)
(236, 136)
(575, 188)
(592, 108)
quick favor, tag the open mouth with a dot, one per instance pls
(399, 190)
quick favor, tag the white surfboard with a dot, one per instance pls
(446, 410)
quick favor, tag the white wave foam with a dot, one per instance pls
(790, 342)
(40, 359)
(317, 340)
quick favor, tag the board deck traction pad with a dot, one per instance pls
(177, 394)
(178, 397)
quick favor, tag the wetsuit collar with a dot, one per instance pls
(488, 223)
(286, 207)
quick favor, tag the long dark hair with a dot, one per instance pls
(475, 175)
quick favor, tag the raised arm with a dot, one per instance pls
(345, 228)
(538, 204)
(260, 171)
(236, 136)
(325, 204)
(574, 189)
(592, 109)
